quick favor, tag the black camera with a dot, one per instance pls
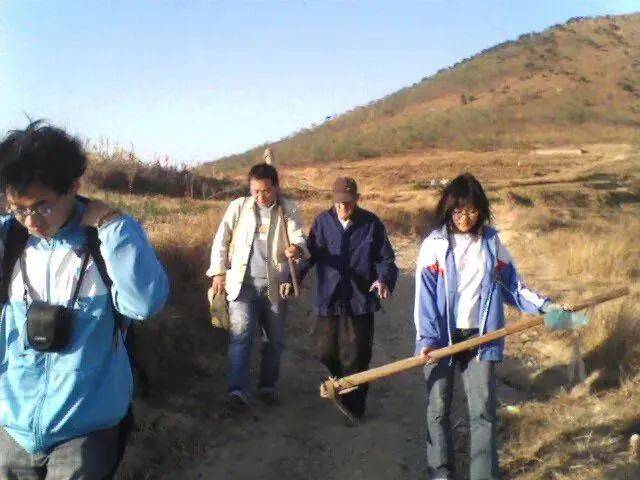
(49, 327)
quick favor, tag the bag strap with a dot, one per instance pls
(28, 288)
(76, 290)
(30, 291)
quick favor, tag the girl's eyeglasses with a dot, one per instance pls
(470, 213)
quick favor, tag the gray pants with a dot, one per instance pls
(479, 386)
(93, 457)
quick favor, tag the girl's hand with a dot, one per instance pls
(425, 354)
(560, 306)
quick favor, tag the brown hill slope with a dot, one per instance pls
(573, 83)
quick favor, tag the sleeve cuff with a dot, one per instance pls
(212, 272)
(424, 343)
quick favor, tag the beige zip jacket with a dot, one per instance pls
(233, 241)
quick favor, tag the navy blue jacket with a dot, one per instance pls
(348, 262)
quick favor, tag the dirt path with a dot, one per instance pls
(306, 437)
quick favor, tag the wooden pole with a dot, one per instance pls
(332, 386)
(292, 265)
(269, 158)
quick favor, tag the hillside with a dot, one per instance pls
(573, 83)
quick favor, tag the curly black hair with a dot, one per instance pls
(40, 154)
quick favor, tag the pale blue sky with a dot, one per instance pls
(200, 79)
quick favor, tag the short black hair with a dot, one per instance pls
(463, 190)
(40, 154)
(264, 171)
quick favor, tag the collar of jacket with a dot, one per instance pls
(251, 203)
(355, 216)
(441, 233)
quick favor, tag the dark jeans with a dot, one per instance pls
(479, 382)
(344, 344)
(92, 457)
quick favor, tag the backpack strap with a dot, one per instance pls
(120, 323)
(93, 245)
(15, 243)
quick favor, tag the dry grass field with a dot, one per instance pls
(570, 217)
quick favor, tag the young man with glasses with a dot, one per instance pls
(65, 376)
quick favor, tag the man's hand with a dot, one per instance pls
(218, 284)
(293, 251)
(286, 290)
(425, 354)
(381, 289)
(98, 213)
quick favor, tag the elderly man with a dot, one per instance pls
(355, 268)
(248, 260)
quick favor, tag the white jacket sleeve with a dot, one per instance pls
(222, 239)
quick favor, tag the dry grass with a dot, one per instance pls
(182, 231)
(583, 435)
(567, 240)
(116, 170)
(574, 438)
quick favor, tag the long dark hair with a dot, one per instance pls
(463, 190)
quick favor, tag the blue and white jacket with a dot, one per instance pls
(52, 397)
(435, 298)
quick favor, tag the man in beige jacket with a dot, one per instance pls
(249, 261)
